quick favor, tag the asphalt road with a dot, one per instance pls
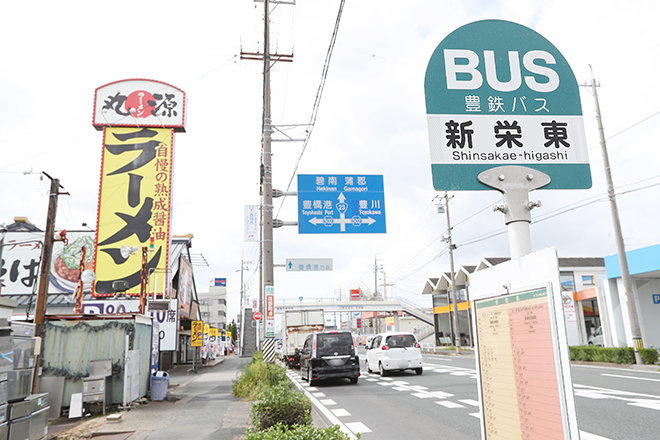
(611, 403)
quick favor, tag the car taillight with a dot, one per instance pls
(314, 347)
(384, 347)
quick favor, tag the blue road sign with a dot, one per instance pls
(656, 299)
(340, 204)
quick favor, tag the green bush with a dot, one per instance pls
(616, 355)
(258, 374)
(650, 355)
(298, 432)
(280, 404)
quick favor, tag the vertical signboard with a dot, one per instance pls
(251, 223)
(520, 392)
(185, 292)
(498, 93)
(522, 354)
(270, 312)
(196, 333)
(134, 205)
(138, 118)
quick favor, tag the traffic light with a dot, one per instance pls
(359, 323)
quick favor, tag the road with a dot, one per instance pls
(612, 403)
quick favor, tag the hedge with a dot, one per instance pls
(258, 374)
(279, 404)
(298, 432)
(616, 355)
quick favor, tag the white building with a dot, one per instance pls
(213, 304)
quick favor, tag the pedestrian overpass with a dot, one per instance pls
(329, 306)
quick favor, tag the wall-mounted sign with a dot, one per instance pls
(166, 319)
(498, 93)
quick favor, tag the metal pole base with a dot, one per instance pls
(515, 183)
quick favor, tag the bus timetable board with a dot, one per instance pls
(520, 392)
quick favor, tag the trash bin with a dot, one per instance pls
(159, 383)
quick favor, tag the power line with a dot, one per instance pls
(317, 100)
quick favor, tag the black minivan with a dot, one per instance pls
(329, 354)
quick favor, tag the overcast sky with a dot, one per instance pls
(371, 120)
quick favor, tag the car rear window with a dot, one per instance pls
(395, 341)
(328, 344)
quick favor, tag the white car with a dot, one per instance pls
(597, 337)
(394, 351)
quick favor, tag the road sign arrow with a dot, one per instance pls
(341, 198)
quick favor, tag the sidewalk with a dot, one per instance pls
(199, 403)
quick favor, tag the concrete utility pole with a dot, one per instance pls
(457, 331)
(266, 160)
(631, 306)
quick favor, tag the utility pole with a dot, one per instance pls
(631, 306)
(266, 170)
(456, 329)
(46, 257)
(44, 270)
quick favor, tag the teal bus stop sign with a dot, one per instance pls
(498, 93)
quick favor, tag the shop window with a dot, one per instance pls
(588, 280)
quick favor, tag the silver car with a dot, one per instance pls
(394, 351)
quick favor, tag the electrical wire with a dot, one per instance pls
(317, 100)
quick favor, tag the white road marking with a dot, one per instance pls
(449, 404)
(327, 413)
(470, 402)
(630, 377)
(633, 399)
(401, 388)
(341, 412)
(357, 427)
(318, 394)
(588, 436)
(422, 395)
(418, 388)
(372, 380)
(440, 394)
(385, 383)
(327, 402)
